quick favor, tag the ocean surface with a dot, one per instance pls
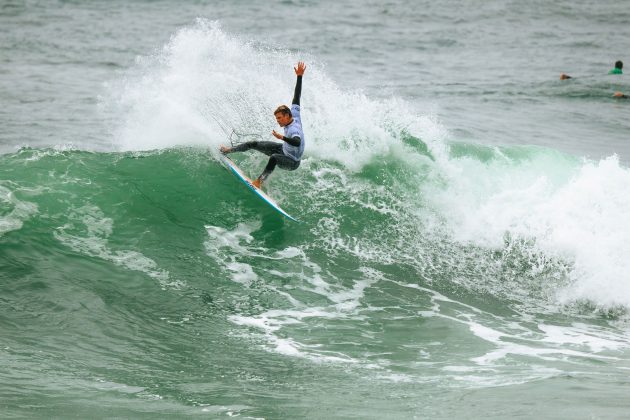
(463, 249)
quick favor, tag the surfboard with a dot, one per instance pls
(240, 175)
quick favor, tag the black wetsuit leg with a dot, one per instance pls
(283, 161)
(267, 147)
(272, 149)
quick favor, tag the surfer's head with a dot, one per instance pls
(283, 115)
(619, 65)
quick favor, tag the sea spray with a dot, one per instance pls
(205, 83)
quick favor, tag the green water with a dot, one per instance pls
(144, 284)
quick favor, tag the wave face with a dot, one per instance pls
(153, 279)
(205, 83)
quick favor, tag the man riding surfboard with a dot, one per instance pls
(286, 155)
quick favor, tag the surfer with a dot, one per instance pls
(287, 154)
(617, 69)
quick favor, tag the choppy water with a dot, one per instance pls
(463, 246)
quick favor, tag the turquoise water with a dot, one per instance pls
(462, 246)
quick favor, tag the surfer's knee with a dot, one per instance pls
(287, 163)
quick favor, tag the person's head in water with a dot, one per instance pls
(619, 65)
(283, 115)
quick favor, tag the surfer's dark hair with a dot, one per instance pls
(283, 109)
(618, 64)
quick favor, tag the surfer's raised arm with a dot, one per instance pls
(299, 71)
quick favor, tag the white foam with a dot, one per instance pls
(223, 238)
(271, 322)
(227, 246)
(489, 377)
(511, 338)
(571, 211)
(532, 345)
(234, 247)
(274, 323)
(205, 82)
(242, 273)
(582, 335)
(20, 211)
(92, 240)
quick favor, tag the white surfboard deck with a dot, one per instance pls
(260, 193)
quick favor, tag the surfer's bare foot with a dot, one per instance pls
(225, 149)
(257, 183)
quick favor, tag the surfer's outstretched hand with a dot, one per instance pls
(277, 135)
(301, 67)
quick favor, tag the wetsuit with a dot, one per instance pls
(287, 154)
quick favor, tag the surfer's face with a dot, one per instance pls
(283, 119)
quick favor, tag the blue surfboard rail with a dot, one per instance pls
(260, 193)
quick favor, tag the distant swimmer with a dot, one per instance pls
(617, 69)
(619, 95)
(286, 155)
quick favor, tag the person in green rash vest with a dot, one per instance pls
(617, 69)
